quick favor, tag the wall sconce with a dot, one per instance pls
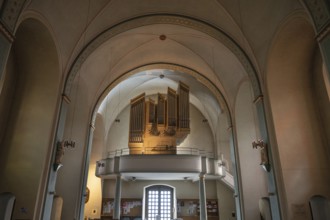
(61, 145)
(263, 153)
(220, 167)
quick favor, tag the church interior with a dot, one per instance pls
(164, 110)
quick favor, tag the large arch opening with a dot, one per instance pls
(86, 89)
(207, 114)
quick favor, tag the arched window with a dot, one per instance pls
(159, 202)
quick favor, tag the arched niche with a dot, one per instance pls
(31, 98)
(293, 104)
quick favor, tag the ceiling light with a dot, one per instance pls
(162, 37)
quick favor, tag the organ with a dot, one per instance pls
(157, 127)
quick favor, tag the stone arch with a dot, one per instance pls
(207, 29)
(206, 82)
(213, 32)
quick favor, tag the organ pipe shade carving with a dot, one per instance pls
(171, 108)
(137, 119)
(183, 107)
(152, 112)
(161, 109)
(157, 128)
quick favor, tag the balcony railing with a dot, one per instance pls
(162, 150)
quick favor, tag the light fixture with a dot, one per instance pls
(263, 153)
(60, 148)
(220, 166)
(162, 37)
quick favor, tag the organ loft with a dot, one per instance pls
(157, 127)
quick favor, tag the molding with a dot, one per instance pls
(66, 99)
(325, 32)
(319, 12)
(8, 35)
(201, 78)
(260, 98)
(201, 26)
(230, 128)
(10, 13)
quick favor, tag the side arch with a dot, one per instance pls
(32, 114)
(297, 126)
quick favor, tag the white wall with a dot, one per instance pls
(222, 138)
(226, 201)
(184, 190)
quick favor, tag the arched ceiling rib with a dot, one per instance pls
(183, 46)
(150, 83)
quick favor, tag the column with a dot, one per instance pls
(52, 173)
(116, 209)
(202, 198)
(236, 173)
(273, 186)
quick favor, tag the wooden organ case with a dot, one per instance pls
(158, 127)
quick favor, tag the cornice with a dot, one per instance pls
(323, 33)
(198, 76)
(8, 35)
(10, 13)
(319, 12)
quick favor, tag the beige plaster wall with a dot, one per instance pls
(29, 130)
(184, 190)
(299, 132)
(226, 201)
(253, 177)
